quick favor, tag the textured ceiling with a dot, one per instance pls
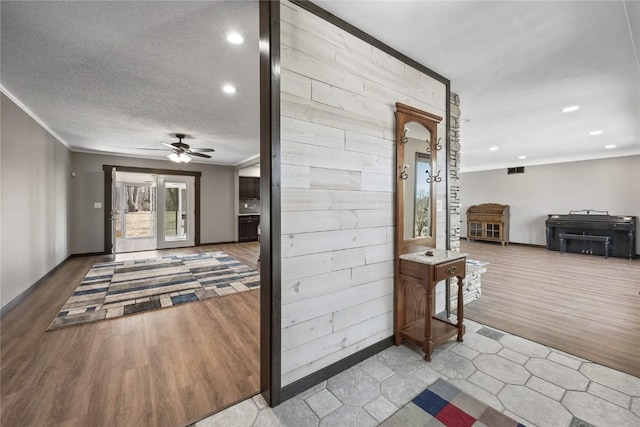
(114, 76)
(516, 64)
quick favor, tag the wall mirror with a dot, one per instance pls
(417, 146)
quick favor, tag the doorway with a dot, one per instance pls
(150, 209)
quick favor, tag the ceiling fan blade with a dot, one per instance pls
(173, 147)
(206, 156)
(153, 149)
(202, 150)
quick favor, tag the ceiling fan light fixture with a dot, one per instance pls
(184, 158)
(229, 89)
(174, 157)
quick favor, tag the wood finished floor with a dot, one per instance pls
(167, 367)
(583, 305)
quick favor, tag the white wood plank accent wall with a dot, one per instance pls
(338, 181)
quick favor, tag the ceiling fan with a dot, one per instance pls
(181, 151)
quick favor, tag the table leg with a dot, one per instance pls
(460, 308)
(427, 344)
(399, 318)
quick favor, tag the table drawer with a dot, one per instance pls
(450, 269)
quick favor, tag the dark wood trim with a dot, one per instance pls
(108, 203)
(340, 23)
(217, 243)
(196, 226)
(86, 254)
(155, 171)
(327, 372)
(270, 231)
(17, 300)
(108, 181)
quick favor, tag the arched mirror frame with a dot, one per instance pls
(406, 114)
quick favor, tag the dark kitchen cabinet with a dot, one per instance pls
(248, 228)
(249, 188)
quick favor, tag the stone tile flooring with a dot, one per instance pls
(531, 383)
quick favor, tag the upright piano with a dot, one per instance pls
(586, 231)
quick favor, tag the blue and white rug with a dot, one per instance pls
(115, 289)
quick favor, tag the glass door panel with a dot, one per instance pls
(134, 212)
(175, 211)
(139, 211)
(176, 218)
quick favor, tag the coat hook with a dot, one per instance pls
(436, 178)
(438, 145)
(404, 175)
(404, 138)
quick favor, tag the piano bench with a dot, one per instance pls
(585, 237)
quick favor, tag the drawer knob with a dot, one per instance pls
(452, 269)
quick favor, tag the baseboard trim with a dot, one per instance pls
(218, 243)
(533, 245)
(89, 254)
(17, 300)
(325, 373)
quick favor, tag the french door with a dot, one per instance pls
(176, 211)
(152, 211)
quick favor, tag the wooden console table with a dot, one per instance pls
(415, 299)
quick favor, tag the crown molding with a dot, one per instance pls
(34, 116)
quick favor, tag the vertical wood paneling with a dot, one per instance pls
(338, 155)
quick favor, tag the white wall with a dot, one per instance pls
(338, 181)
(607, 184)
(34, 202)
(251, 171)
(217, 217)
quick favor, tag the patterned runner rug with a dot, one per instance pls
(443, 404)
(115, 289)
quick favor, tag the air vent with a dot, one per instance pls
(517, 169)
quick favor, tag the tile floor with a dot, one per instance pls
(533, 384)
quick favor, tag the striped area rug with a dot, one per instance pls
(115, 289)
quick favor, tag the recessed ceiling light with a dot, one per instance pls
(493, 148)
(522, 157)
(571, 109)
(229, 89)
(595, 132)
(610, 146)
(235, 38)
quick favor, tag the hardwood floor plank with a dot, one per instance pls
(168, 367)
(587, 306)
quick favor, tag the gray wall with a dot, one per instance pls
(338, 183)
(607, 184)
(34, 201)
(217, 218)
